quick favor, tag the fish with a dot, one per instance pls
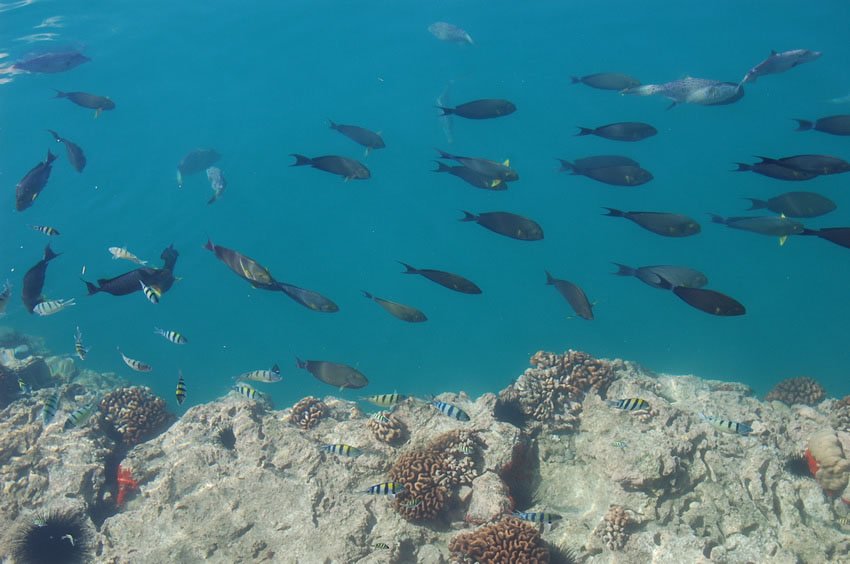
(49, 307)
(195, 161)
(33, 182)
(481, 109)
(708, 301)
(411, 503)
(600, 161)
(449, 33)
(385, 400)
(629, 404)
(246, 390)
(397, 310)
(244, 266)
(360, 135)
(621, 175)
(607, 81)
(134, 364)
(23, 386)
(172, 336)
(780, 62)
(123, 253)
(5, 294)
(50, 407)
(445, 279)
(492, 169)
(385, 488)
(46, 230)
(507, 224)
(80, 350)
(217, 182)
(795, 204)
(775, 170)
(689, 90)
(772, 226)
(380, 417)
(52, 62)
(268, 376)
(75, 154)
(619, 444)
(660, 223)
(152, 293)
(538, 517)
(341, 449)
(86, 100)
(834, 125)
(837, 235)
(127, 283)
(308, 298)
(726, 426)
(34, 280)
(381, 546)
(334, 374)
(80, 416)
(816, 164)
(446, 119)
(181, 391)
(676, 275)
(450, 410)
(621, 131)
(574, 295)
(844, 521)
(349, 169)
(473, 177)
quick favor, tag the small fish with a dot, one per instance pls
(676, 275)
(23, 386)
(473, 177)
(333, 373)
(244, 266)
(217, 181)
(79, 349)
(385, 488)
(51, 405)
(33, 182)
(180, 392)
(86, 100)
(360, 135)
(380, 417)
(776, 170)
(661, 223)
(795, 204)
(75, 154)
(46, 230)
(450, 410)
(152, 293)
(574, 295)
(630, 404)
(342, 449)
(52, 62)
(621, 131)
(172, 336)
(411, 503)
(780, 62)
(195, 161)
(814, 164)
(246, 390)
(619, 444)
(34, 280)
(618, 175)
(49, 307)
(834, 125)
(308, 298)
(538, 517)
(689, 90)
(349, 169)
(267, 376)
(481, 109)
(136, 365)
(80, 416)
(703, 299)
(449, 32)
(501, 171)
(446, 279)
(726, 426)
(780, 227)
(466, 449)
(381, 546)
(5, 294)
(607, 81)
(123, 253)
(385, 400)
(507, 224)
(844, 521)
(397, 310)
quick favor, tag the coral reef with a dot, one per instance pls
(31, 370)
(509, 540)
(392, 431)
(133, 414)
(831, 467)
(307, 412)
(841, 414)
(803, 390)
(612, 529)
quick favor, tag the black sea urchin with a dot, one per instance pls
(558, 555)
(57, 537)
(797, 465)
(227, 438)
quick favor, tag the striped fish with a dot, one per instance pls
(172, 336)
(181, 389)
(78, 345)
(136, 365)
(630, 404)
(23, 386)
(450, 410)
(411, 503)
(380, 417)
(538, 517)
(342, 449)
(385, 400)
(50, 307)
(726, 426)
(51, 405)
(123, 253)
(385, 488)
(246, 390)
(267, 376)
(619, 444)
(46, 230)
(381, 545)
(152, 293)
(80, 416)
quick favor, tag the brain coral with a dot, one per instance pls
(509, 540)
(797, 390)
(134, 414)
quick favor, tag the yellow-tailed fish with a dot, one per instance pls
(180, 393)
(49, 307)
(123, 253)
(51, 405)
(46, 230)
(630, 404)
(385, 488)
(80, 416)
(342, 449)
(136, 365)
(152, 293)
(78, 345)
(267, 376)
(246, 390)
(385, 400)
(172, 336)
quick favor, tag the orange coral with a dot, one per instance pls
(126, 484)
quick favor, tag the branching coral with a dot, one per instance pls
(391, 431)
(802, 390)
(841, 414)
(307, 412)
(509, 540)
(613, 528)
(134, 414)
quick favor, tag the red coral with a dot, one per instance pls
(813, 464)
(126, 484)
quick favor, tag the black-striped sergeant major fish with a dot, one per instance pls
(80, 416)
(538, 517)
(152, 293)
(385, 400)
(450, 410)
(23, 386)
(180, 392)
(381, 546)
(342, 449)
(172, 336)
(385, 488)
(136, 365)
(5, 294)
(619, 444)
(246, 390)
(844, 521)
(380, 417)
(49, 307)
(630, 404)
(123, 253)
(726, 426)
(79, 349)
(46, 230)
(51, 405)
(267, 376)
(412, 503)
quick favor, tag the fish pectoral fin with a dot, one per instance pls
(507, 162)
(782, 240)
(97, 113)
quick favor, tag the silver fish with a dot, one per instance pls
(446, 119)
(50, 307)
(726, 426)
(780, 62)
(217, 182)
(689, 90)
(172, 336)
(136, 365)
(450, 33)
(79, 349)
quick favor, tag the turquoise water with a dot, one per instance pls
(258, 82)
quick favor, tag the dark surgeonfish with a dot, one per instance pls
(600, 161)
(814, 164)
(161, 279)
(795, 204)
(307, 298)
(780, 62)
(619, 175)
(360, 135)
(834, 125)
(772, 226)
(446, 279)
(507, 224)
(653, 275)
(195, 161)
(775, 170)
(574, 295)
(501, 171)
(244, 266)
(449, 33)
(481, 109)
(621, 131)
(397, 310)
(75, 154)
(343, 166)
(52, 62)
(34, 280)
(660, 223)
(709, 301)
(33, 183)
(86, 100)
(333, 374)
(473, 177)
(689, 90)
(837, 235)
(607, 81)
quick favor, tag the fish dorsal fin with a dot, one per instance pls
(507, 162)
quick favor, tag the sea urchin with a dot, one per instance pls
(56, 537)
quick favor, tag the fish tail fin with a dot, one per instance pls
(50, 157)
(367, 294)
(549, 278)
(623, 270)
(49, 254)
(756, 204)
(446, 111)
(467, 216)
(614, 212)
(803, 124)
(442, 167)
(583, 131)
(300, 160)
(717, 218)
(60, 94)
(566, 166)
(408, 269)
(91, 288)
(209, 245)
(742, 167)
(300, 363)
(575, 80)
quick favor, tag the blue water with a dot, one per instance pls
(258, 82)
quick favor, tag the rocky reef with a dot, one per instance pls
(594, 479)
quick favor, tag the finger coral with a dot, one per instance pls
(613, 528)
(509, 540)
(802, 390)
(390, 431)
(307, 412)
(133, 415)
